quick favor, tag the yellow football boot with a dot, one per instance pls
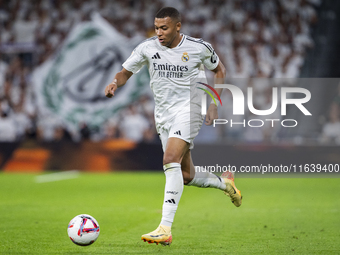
(161, 235)
(231, 190)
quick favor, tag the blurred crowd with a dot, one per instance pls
(254, 39)
(331, 124)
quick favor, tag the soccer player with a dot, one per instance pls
(173, 60)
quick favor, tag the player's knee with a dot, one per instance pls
(170, 158)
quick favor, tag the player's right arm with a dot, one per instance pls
(132, 65)
(119, 80)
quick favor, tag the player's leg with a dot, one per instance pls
(204, 179)
(188, 168)
(175, 150)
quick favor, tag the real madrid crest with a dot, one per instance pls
(185, 57)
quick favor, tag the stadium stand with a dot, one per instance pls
(265, 38)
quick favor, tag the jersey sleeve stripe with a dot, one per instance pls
(201, 42)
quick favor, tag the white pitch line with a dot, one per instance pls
(65, 175)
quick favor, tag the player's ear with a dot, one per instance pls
(178, 26)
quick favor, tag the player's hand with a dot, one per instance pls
(111, 88)
(211, 115)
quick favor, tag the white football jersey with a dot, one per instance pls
(172, 70)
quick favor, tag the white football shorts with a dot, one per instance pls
(185, 125)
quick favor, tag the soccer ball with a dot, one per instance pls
(83, 230)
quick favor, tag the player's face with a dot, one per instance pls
(167, 31)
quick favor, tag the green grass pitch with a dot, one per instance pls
(278, 216)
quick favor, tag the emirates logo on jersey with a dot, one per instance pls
(185, 57)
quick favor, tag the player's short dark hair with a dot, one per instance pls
(170, 12)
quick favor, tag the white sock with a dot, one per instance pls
(172, 193)
(207, 180)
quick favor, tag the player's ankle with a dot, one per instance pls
(167, 229)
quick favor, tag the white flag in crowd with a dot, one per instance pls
(71, 84)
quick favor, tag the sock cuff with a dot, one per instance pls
(171, 166)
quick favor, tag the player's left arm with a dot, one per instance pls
(219, 78)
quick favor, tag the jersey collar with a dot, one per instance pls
(181, 42)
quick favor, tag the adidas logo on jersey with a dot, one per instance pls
(171, 201)
(156, 56)
(178, 132)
